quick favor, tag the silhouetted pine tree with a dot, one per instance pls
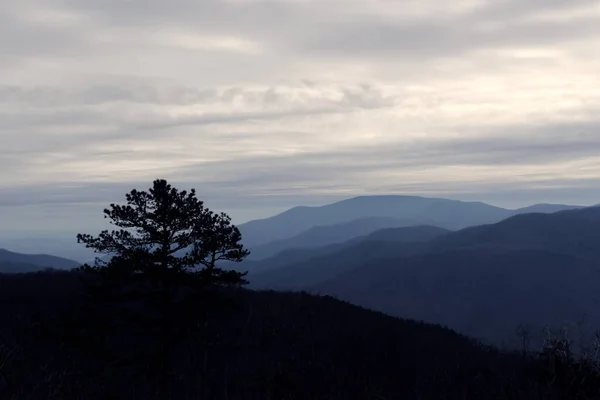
(165, 255)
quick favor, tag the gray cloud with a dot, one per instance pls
(435, 39)
(320, 171)
(52, 97)
(263, 104)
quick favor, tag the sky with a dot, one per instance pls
(263, 105)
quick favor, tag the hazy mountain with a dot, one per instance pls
(449, 214)
(319, 236)
(485, 280)
(486, 294)
(318, 226)
(295, 269)
(17, 262)
(411, 234)
(9, 267)
(60, 246)
(546, 208)
(573, 232)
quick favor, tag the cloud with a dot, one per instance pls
(265, 104)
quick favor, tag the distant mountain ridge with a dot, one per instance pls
(11, 262)
(63, 246)
(575, 232)
(322, 235)
(297, 268)
(304, 226)
(571, 232)
(546, 208)
(485, 280)
(299, 219)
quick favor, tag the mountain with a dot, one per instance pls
(251, 345)
(573, 232)
(9, 267)
(412, 210)
(411, 234)
(449, 214)
(546, 208)
(293, 269)
(485, 294)
(11, 262)
(319, 236)
(59, 245)
(531, 268)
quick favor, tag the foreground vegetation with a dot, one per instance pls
(255, 345)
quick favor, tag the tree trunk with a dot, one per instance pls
(166, 340)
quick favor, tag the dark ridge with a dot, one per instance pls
(17, 262)
(250, 345)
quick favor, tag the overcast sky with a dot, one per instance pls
(262, 105)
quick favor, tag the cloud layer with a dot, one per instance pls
(262, 105)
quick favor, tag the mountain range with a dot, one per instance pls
(485, 281)
(64, 246)
(464, 264)
(324, 259)
(285, 234)
(11, 262)
(308, 226)
(326, 234)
